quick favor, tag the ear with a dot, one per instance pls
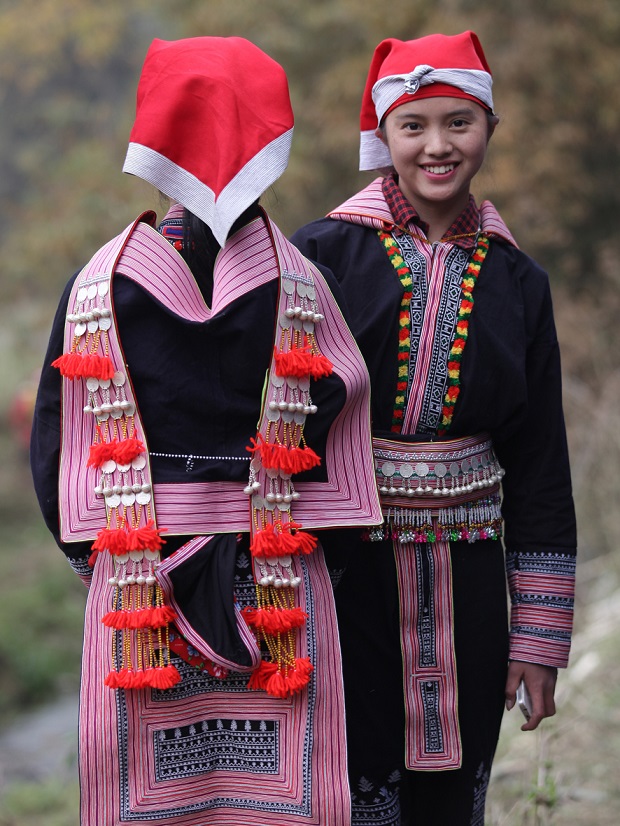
(380, 133)
(492, 121)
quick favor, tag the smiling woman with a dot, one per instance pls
(456, 327)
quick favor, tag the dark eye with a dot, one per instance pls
(459, 123)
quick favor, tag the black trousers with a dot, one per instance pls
(384, 793)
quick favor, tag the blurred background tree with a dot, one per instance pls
(68, 73)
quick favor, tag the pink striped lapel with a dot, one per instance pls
(367, 207)
(493, 225)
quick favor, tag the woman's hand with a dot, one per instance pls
(540, 682)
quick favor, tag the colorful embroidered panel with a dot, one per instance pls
(435, 275)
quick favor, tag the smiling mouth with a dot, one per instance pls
(444, 169)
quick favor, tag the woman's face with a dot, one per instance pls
(437, 146)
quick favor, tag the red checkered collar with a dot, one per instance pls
(405, 215)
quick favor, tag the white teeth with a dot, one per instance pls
(440, 170)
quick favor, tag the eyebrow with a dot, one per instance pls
(452, 114)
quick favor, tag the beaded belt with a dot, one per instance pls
(438, 490)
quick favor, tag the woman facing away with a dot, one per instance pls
(456, 326)
(201, 398)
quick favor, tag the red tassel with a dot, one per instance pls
(162, 615)
(260, 675)
(300, 362)
(162, 678)
(84, 365)
(112, 539)
(305, 543)
(288, 543)
(321, 367)
(101, 452)
(276, 685)
(301, 459)
(127, 450)
(290, 460)
(265, 542)
(297, 542)
(284, 685)
(146, 538)
(273, 620)
(141, 618)
(125, 678)
(299, 677)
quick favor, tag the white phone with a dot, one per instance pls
(524, 700)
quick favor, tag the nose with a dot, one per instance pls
(438, 143)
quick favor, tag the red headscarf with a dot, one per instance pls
(213, 125)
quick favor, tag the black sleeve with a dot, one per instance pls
(45, 438)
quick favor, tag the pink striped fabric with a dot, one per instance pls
(550, 626)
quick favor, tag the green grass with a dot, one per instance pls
(40, 804)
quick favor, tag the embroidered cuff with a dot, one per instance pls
(82, 569)
(542, 595)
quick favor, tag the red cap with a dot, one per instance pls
(434, 66)
(213, 125)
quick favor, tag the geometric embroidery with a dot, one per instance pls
(433, 736)
(542, 563)
(447, 314)
(426, 603)
(81, 568)
(194, 681)
(228, 745)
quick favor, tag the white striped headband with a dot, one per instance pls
(389, 89)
